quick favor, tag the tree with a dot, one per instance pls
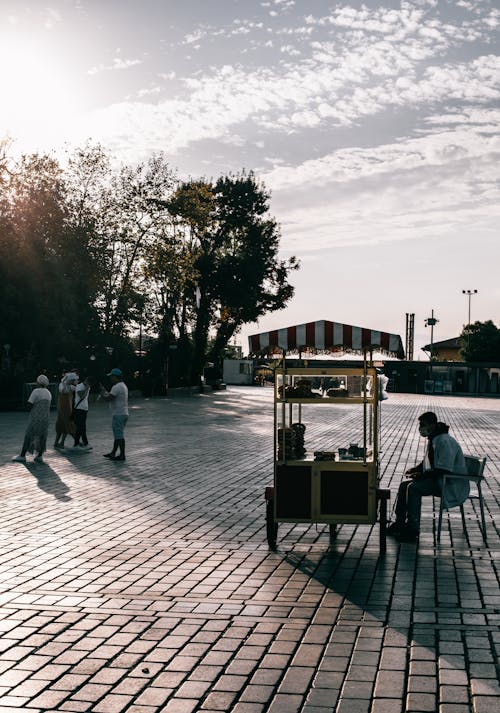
(42, 311)
(117, 212)
(235, 275)
(481, 342)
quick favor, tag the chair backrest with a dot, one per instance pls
(475, 465)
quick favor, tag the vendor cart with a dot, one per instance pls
(322, 475)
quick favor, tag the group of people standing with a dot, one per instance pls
(72, 410)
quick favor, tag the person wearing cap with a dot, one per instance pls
(64, 421)
(35, 437)
(118, 404)
(442, 455)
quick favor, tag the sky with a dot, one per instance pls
(375, 126)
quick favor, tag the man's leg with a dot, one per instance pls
(414, 493)
(85, 440)
(401, 498)
(416, 490)
(77, 418)
(121, 440)
(118, 424)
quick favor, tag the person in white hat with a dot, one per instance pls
(35, 438)
(118, 404)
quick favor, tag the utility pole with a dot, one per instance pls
(410, 328)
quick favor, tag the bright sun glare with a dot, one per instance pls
(36, 100)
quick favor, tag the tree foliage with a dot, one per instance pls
(481, 342)
(90, 251)
(220, 268)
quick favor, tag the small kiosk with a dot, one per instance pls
(317, 480)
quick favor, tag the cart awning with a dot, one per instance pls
(324, 336)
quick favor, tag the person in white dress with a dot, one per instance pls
(35, 438)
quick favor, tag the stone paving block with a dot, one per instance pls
(257, 693)
(420, 702)
(390, 684)
(177, 705)
(485, 704)
(323, 697)
(347, 705)
(113, 703)
(248, 708)
(286, 703)
(386, 705)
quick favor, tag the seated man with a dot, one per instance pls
(442, 455)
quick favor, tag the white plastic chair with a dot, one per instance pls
(475, 469)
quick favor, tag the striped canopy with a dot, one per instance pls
(326, 337)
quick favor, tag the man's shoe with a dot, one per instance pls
(109, 455)
(19, 459)
(394, 528)
(58, 446)
(38, 459)
(407, 534)
(118, 458)
(87, 446)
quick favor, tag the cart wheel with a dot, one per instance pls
(271, 525)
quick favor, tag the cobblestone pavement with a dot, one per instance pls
(148, 586)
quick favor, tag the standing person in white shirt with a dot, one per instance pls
(118, 404)
(35, 438)
(80, 411)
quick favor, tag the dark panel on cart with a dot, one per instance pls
(344, 492)
(293, 491)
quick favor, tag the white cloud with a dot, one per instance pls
(117, 64)
(476, 135)
(440, 183)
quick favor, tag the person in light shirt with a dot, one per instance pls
(442, 455)
(118, 404)
(80, 411)
(35, 438)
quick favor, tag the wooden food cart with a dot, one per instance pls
(339, 484)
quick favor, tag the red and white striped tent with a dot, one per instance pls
(326, 336)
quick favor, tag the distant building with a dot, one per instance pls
(238, 371)
(447, 350)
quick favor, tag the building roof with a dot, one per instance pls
(453, 343)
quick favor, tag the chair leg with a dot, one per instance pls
(481, 507)
(440, 520)
(462, 513)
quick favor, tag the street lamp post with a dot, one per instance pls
(469, 294)
(431, 322)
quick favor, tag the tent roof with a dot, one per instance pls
(326, 336)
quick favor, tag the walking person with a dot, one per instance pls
(35, 437)
(80, 411)
(442, 455)
(118, 404)
(64, 422)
